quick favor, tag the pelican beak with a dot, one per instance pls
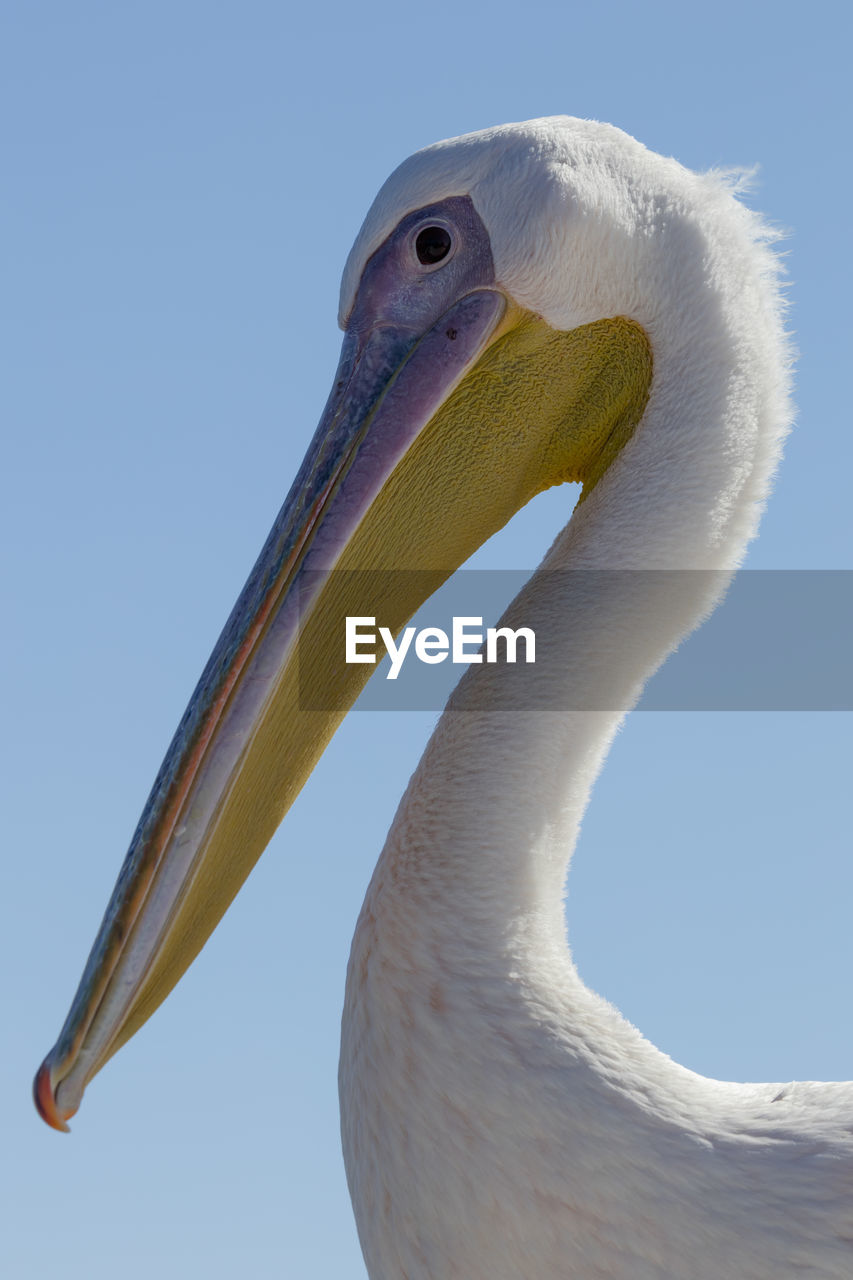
(416, 461)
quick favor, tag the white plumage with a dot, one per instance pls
(499, 1119)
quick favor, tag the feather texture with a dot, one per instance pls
(499, 1119)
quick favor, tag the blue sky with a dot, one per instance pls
(182, 184)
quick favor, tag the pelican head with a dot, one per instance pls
(471, 377)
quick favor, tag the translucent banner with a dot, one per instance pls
(577, 640)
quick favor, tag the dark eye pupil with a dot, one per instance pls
(432, 244)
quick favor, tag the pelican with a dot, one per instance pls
(529, 305)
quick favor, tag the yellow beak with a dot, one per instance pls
(431, 440)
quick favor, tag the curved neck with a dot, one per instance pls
(484, 834)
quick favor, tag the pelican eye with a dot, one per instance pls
(432, 245)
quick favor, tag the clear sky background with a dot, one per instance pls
(181, 184)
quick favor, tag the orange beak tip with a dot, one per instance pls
(46, 1102)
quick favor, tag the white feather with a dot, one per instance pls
(499, 1119)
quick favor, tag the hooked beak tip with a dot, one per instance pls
(45, 1101)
